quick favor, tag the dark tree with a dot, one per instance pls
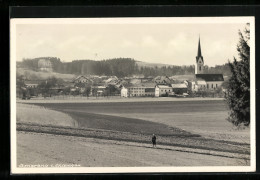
(46, 87)
(111, 90)
(87, 91)
(20, 86)
(238, 91)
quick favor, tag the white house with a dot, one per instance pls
(161, 90)
(135, 90)
(124, 92)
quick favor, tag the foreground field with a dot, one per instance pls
(89, 152)
(190, 133)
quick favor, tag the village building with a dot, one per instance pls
(179, 88)
(124, 92)
(163, 90)
(162, 80)
(212, 81)
(112, 80)
(45, 65)
(137, 90)
(32, 83)
(82, 79)
(205, 81)
(97, 90)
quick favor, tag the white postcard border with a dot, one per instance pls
(191, 20)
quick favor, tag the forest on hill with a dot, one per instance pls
(120, 67)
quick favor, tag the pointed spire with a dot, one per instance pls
(199, 49)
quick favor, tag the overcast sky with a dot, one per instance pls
(174, 44)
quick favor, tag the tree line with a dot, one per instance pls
(120, 67)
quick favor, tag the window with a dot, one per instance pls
(207, 86)
(216, 85)
(212, 85)
(200, 68)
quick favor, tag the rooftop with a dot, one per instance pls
(179, 85)
(210, 77)
(164, 86)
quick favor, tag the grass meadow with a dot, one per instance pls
(204, 118)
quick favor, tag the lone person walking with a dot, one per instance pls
(154, 140)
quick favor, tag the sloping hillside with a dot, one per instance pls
(152, 65)
(30, 74)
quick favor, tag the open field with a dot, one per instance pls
(186, 131)
(206, 118)
(93, 152)
(27, 113)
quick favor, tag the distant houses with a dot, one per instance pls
(134, 86)
(164, 86)
(153, 89)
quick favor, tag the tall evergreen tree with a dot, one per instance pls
(238, 91)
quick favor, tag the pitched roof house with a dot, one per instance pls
(82, 79)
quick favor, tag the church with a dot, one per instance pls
(205, 81)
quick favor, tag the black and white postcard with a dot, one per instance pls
(123, 95)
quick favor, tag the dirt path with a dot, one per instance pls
(178, 140)
(36, 148)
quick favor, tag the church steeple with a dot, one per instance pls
(199, 61)
(199, 55)
(199, 49)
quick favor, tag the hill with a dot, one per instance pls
(120, 67)
(152, 65)
(34, 75)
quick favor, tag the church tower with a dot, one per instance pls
(199, 66)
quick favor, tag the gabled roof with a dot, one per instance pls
(164, 86)
(82, 77)
(161, 78)
(144, 85)
(179, 85)
(210, 77)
